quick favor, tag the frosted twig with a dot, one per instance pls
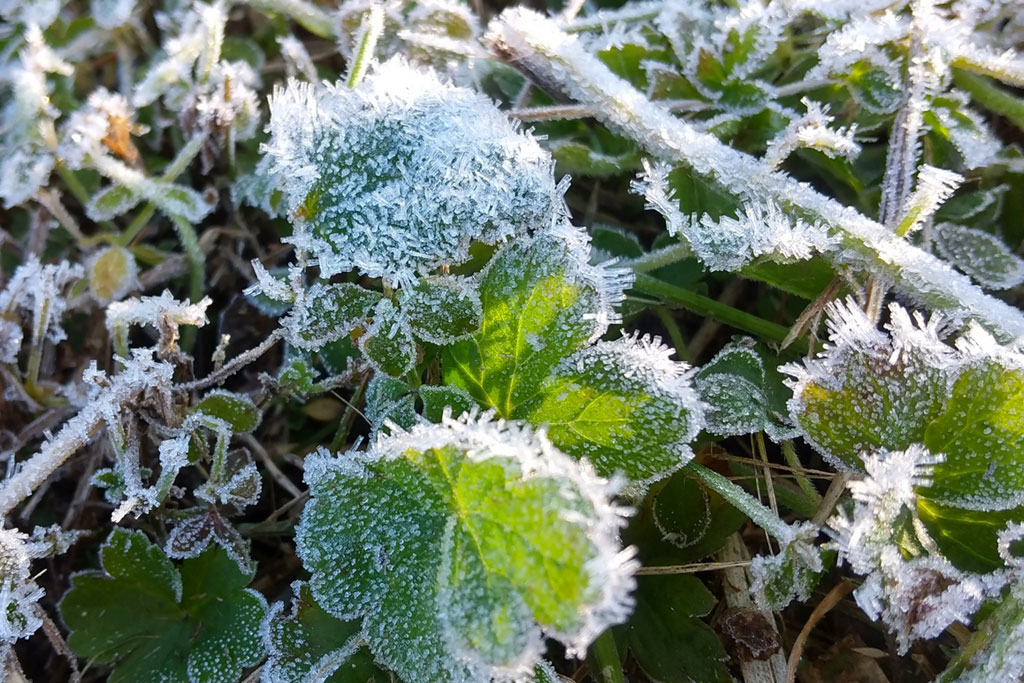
(366, 44)
(234, 366)
(536, 45)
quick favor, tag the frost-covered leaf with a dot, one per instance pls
(690, 518)
(194, 534)
(238, 410)
(542, 300)
(111, 202)
(436, 398)
(460, 544)
(790, 574)
(442, 310)
(327, 312)
(981, 435)
(399, 175)
(735, 385)
(19, 594)
(112, 274)
(311, 646)
(666, 635)
(389, 399)
(870, 390)
(388, 343)
(979, 254)
(155, 622)
(996, 650)
(624, 405)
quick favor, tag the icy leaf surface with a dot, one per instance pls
(541, 301)
(738, 391)
(790, 574)
(442, 310)
(400, 174)
(625, 405)
(156, 622)
(327, 312)
(238, 410)
(388, 343)
(311, 646)
(982, 256)
(389, 399)
(460, 545)
(436, 398)
(870, 390)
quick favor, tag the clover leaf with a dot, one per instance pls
(622, 404)
(156, 622)
(460, 544)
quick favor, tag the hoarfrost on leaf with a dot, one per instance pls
(460, 544)
(154, 621)
(442, 310)
(624, 405)
(399, 175)
(388, 342)
(789, 575)
(327, 312)
(981, 255)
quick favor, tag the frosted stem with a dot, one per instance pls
(539, 48)
(743, 501)
(369, 32)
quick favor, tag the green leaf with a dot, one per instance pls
(311, 645)
(437, 398)
(178, 200)
(457, 543)
(735, 385)
(238, 410)
(442, 310)
(981, 434)
(692, 518)
(111, 202)
(668, 640)
(791, 574)
(388, 342)
(156, 623)
(969, 538)
(541, 301)
(624, 405)
(327, 313)
(389, 399)
(864, 394)
(982, 256)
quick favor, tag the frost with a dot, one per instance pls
(37, 289)
(729, 243)
(22, 174)
(491, 538)
(110, 14)
(325, 312)
(624, 405)
(979, 254)
(19, 595)
(297, 59)
(164, 312)
(388, 343)
(934, 186)
(399, 175)
(736, 388)
(789, 575)
(917, 595)
(193, 535)
(442, 310)
(812, 131)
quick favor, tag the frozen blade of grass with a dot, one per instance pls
(536, 45)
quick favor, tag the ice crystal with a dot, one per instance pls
(917, 595)
(436, 605)
(164, 312)
(934, 186)
(812, 131)
(442, 310)
(19, 594)
(324, 313)
(388, 342)
(761, 229)
(399, 175)
(38, 290)
(789, 575)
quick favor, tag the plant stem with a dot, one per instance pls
(992, 97)
(707, 306)
(660, 258)
(789, 453)
(369, 32)
(543, 52)
(603, 659)
(742, 501)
